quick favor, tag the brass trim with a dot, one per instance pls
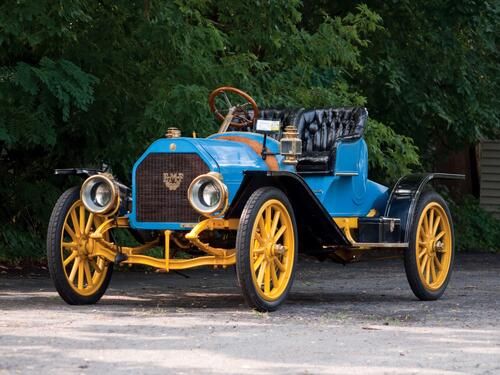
(173, 132)
(221, 208)
(113, 204)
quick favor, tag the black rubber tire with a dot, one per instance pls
(55, 265)
(410, 257)
(243, 261)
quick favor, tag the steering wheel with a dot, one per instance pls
(235, 115)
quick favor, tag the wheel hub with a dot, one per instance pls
(438, 247)
(271, 249)
(84, 246)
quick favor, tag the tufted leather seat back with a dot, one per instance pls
(321, 128)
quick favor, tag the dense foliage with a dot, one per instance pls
(475, 228)
(432, 71)
(85, 81)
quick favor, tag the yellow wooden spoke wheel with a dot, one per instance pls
(266, 249)
(429, 258)
(79, 276)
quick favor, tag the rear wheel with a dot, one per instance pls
(429, 257)
(79, 278)
(266, 246)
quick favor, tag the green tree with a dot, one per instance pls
(85, 81)
(433, 71)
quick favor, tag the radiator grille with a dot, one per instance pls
(155, 202)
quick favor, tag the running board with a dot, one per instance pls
(379, 245)
(372, 245)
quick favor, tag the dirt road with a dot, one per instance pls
(358, 319)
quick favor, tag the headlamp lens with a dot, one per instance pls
(209, 195)
(102, 194)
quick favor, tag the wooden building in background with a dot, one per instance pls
(489, 176)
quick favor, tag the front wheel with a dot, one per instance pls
(79, 277)
(429, 257)
(266, 249)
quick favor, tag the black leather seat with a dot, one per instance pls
(321, 129)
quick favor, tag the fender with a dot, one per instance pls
(405, 195)
(142, 236)
(316, 227)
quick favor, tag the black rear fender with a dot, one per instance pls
(405, 195)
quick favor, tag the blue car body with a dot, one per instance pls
(345, 193)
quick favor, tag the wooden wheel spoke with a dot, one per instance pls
(275, 222)
(432, 266)
(422, 253)
(438, 263)
(68, 230)
(90, 221)
(267, 278)
(439, 235)
(69, 245)
(258, 262)
(74, 220)
(424, 261)
(80, 274)
(82, 218)
(262, 227)
(258, 250)
(88, 274)
(428, 272)
(279, 233)
(269, 215)
(436, 225)
(74, 270)
(259, 239)
(426, 224)
(274, 275)
(278, 263)
(430, 223)
(70, 258)
(260, 276)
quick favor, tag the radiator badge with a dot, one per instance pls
(172, 180)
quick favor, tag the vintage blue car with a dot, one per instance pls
(269, 184)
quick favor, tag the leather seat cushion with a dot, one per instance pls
(315, 161)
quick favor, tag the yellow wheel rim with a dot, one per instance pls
(433, 246)
(84, 272)
(272, 250)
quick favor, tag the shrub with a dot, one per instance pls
(475, 228)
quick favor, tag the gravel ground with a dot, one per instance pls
(360, 318)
